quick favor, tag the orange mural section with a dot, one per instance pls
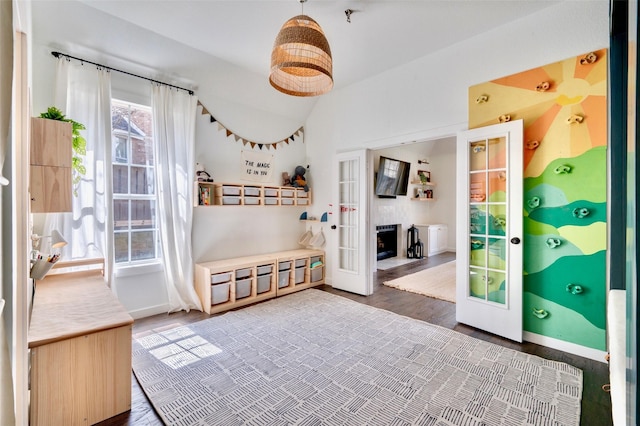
(561, 105)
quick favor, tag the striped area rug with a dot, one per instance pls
(313, 358)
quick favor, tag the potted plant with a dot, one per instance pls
(79, 145)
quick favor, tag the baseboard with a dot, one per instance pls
(572, 348)
(150, 311)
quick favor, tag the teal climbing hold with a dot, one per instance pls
(574, 288)
(563, 169)
(553, 242)
(533, 202)
(580, 212)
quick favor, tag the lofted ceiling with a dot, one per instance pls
(239, 34)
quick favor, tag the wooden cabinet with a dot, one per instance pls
(434, 237)
(230, 283)
(235, 194)
(50, 155)
(438, 235)
(80, 344)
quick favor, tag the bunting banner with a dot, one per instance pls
(256, 166)
(268, 145)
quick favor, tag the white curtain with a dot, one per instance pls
(174, 120)
(83, 93)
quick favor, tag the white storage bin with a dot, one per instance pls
(283, 278)
(315, 259)
(286, 193)
(303, 202)
(265, 269)
(300, 263)
(299, 278)
(284, 266)
(301, 193)
(316, 274)
(287, 201)
(264, 283)
(271, 201)
(219, 293)
(243, 273)
(251, 201)
(230, 190)
(270, 192)
(251, 191)
(230, 200)
(220, 278)
(243, 288)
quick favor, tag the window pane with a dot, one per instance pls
(121, 215)
(142, 214)
(141, 151)
(142, 180)
(121, 246)
(120, 151)
(142, 245)
(120, 179)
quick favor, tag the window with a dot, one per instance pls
(136, 238)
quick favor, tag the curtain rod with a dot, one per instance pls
(58, 54)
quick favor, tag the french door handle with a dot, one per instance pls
(515, 240)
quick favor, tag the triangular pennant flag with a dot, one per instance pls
(286, 141)
(253, 144)
(292, 138)
(220, 126)
(236, 137)
(204, 110)
(229, 132)
(212, 119)
(244, 142)
(260, 145)
(275, 146)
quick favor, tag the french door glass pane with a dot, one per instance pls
(497, 186)
(497, 153)
(477, 283)
(348, 215)
(477, 253)
(496, 285)
(497, 253)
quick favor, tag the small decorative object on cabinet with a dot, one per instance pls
(231, 283)
(230, 194)
(50, 185)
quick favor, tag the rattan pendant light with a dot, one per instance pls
(301, 63)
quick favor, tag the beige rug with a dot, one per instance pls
(438, 282)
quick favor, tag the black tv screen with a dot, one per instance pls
(392, 178)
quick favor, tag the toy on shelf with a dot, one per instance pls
(201, 174)
(298, 180)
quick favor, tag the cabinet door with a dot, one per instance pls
(50, 189)
(433, 240)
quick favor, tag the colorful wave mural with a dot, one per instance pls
(564, 109)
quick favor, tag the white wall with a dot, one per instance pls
(427, 99)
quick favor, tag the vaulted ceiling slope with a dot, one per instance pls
(233, 39)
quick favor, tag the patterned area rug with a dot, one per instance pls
(313, 358)
(438, 282)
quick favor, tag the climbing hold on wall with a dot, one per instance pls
(532, 144)
(499, 222)
(477, 149)
(553, 242)
(540, 313)
(504, 118)
(580, 212)
(575, 119)
(543, 87)
(482, 99)
(489, 280)
(574, 288)
(533, 202)
(563, 169)
(590, 58)
(476, 244)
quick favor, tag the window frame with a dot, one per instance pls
(133, 266)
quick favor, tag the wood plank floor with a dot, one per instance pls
(596, 404)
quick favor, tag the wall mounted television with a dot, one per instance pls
(392, 178)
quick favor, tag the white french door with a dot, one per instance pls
(352, 269)
(489, 229)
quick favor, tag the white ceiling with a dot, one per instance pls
(382, 34)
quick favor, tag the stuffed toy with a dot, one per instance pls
(202, 175)
(286, 179)
(298, 180)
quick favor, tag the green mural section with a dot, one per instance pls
(564, 260)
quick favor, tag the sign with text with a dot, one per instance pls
(257, 166)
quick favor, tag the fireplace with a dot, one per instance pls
(387, 241)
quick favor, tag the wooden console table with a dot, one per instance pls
(80, 342)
